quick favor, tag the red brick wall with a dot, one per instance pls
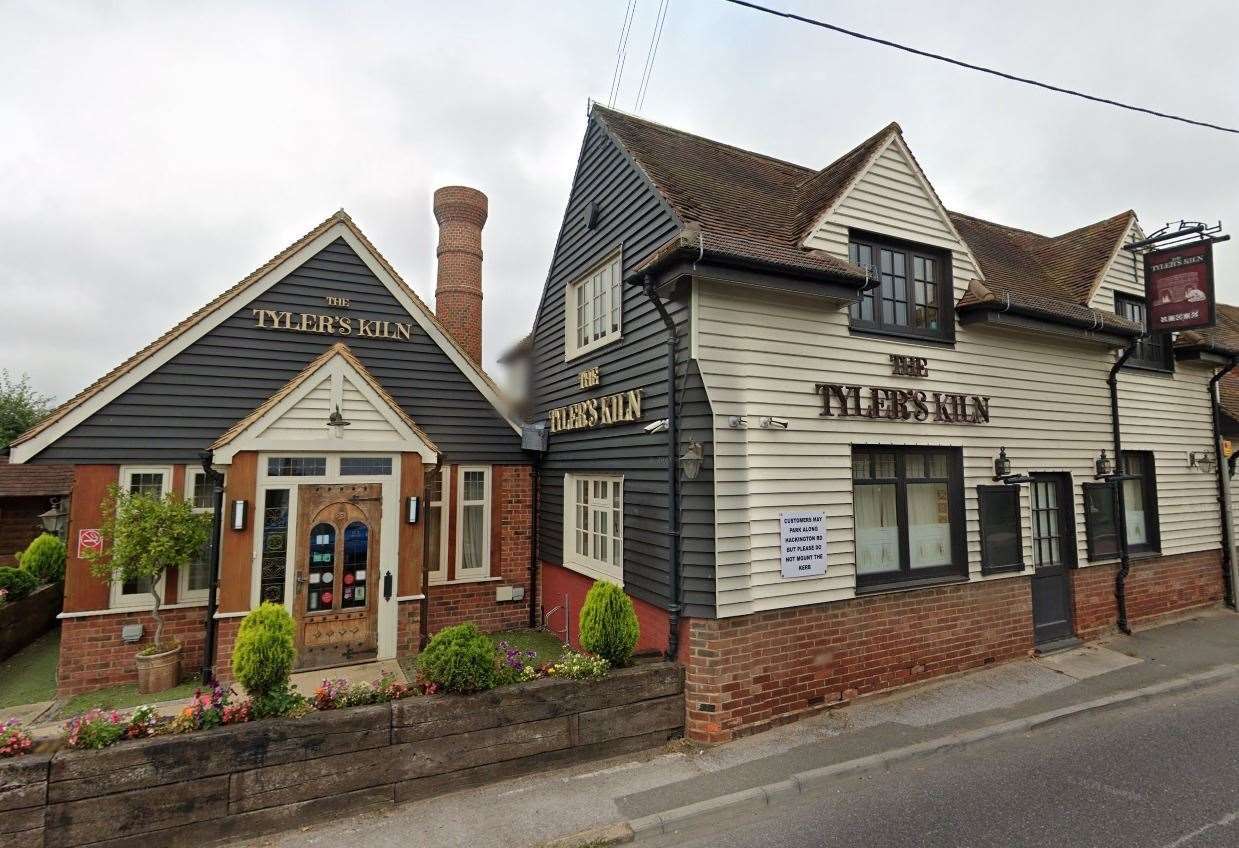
(1155, 587)
(751, 672)
(511, 536)
(225, 639)
(558, 581)
(93, 656)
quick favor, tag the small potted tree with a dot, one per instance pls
(142, 538)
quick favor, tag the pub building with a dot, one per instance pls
(372, 481)
(903, 441)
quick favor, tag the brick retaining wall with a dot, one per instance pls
(93, 656)
(243, 780)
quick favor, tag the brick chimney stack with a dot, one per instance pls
(461, 212)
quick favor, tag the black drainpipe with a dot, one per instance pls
(1222, 466)
(535, 542)
(217, 503)
(1120, 579)
(423, 613)
(673, 475)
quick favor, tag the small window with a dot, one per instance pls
(1002, 545)
(911, 292)
(150, 482)
(274, 546)
(297, 466)
(436, 526)
(370, 466)
(594, 525)
(908, 506)
(356, 562)
(593, 308)
(1140, 502)
(1100, 521)
(473, 523)
(195, 576)
(1154, 350)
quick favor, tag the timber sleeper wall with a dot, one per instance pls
(253, 778)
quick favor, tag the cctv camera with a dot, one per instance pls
(773, 423)
(659, 426)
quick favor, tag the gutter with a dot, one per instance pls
(673, 474)
(1120, 579)
(217, 520)
(1228, 542)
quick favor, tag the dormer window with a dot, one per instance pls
(910, 289)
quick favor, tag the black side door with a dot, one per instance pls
(1054, 551)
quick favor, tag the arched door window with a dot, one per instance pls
(356, 557)
(322, 553)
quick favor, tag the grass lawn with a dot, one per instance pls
(547, 646)
(125, 696)
(29, 676)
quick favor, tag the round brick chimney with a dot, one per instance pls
(461, 213)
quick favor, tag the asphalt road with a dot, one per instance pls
(1161, 774)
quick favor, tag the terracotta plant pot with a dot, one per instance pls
(158, 672)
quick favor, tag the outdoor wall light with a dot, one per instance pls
(240, 510)
(337, 422)
(690, 460)
(1104, 466)
(1002, 464)
(55, 519)
(412, 508)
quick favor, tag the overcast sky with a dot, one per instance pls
(152, 154)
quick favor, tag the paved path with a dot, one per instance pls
(1160, 774)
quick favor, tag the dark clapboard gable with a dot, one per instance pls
(631, 214)
(182, 407)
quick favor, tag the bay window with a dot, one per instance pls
(908, 506)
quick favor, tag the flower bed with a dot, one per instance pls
(238, 780)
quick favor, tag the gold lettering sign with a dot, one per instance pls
(589, 378)
(605, 411)
(882, 404)
(331, 325)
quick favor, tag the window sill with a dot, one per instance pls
(593, 572)
(905, 338)
(1153, 370)
(462, 580)
(987, 570)
(592, 347)
(907, 584)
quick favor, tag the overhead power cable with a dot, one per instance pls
(621, 52)
(656, 37)
(962, 64)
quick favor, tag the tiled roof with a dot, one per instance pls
(18, 481)
(1222, 336)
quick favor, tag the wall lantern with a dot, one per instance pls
(239, 514)
(1002, 464)
(690, 460)
(413, 507)
(56, 519)
(337, 422)
(1104, 466)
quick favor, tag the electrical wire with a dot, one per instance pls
(656, 37)
(962, 64)
(621, 51)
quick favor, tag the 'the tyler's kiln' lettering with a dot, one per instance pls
(331, 325)
(878, 403)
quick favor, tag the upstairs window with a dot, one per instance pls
(911, 292)
(1154, 350)
(593, 307)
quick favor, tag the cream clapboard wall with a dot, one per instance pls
(1049, 407)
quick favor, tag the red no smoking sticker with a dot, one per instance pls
(88, 540)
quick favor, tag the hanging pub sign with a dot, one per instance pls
(1178, 287)
(884, 404)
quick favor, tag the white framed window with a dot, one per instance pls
(593, 308)
(195, 576)
(436, 525)
(154, 481)
(473, 523)
(594, 525)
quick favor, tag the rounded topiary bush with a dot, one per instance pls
(262, 659)
(460, 659)
(609, 624)
(45, 559)
(18, 583)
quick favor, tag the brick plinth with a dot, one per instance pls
(562, 586)
(92, 655)
(1156, 587)
(751, 672)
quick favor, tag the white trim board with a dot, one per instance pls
(27, 450)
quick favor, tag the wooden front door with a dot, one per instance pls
(337, 572)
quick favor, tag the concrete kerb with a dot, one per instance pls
(801, 782)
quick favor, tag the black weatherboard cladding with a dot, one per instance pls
(631, 215)
(188, 402)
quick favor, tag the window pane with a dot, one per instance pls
(1099, 520)
(884, 465)
(321, 593)
(1000, 527)
(434, 488)
(199, 576)
(1133, 512)
(938, 465)
(296, 466)
(474, 534)
(146, 484)
(914, 465)
(474, 485)
(204, 492)
(860, 466)
(274, 545)
(372, 465)
(356, 558)
(434, 532)
(877, 529)
(140, 586)
(929, 525)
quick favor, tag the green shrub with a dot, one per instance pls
(609, 624)
(45, 559)
(460, 659)
(18, 583)
(262, 659)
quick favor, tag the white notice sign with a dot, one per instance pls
(802, 543)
